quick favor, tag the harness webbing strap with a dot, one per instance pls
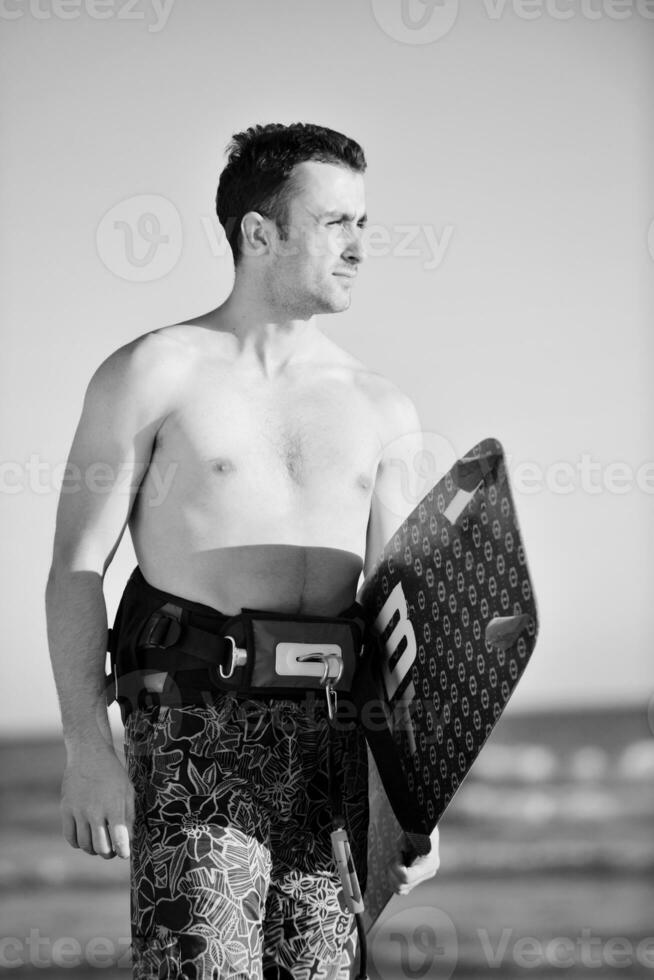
(165, 629)
(175, 661)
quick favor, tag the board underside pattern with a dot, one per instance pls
(461, 565)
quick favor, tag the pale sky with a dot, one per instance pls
(508, 289)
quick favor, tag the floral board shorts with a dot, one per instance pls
(232, 871)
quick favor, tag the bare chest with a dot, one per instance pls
(300, 432)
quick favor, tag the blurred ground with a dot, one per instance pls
(547, 861)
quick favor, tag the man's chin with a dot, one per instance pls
(336, 304)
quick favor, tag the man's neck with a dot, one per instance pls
(270, 339)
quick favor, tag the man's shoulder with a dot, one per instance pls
(164, 350)
(393, 404)
(376, 385)
(170, 343)
(143, 376)
(394, 409)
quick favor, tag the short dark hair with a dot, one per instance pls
(259, 166)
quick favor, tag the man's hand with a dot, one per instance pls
(404, 879)
(97, 803)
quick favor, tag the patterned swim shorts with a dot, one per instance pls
(232, 868)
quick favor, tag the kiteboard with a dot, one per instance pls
(454, 623)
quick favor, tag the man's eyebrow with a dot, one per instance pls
(344, 214)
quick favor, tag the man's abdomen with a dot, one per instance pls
(254, 543)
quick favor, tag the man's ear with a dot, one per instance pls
(255, 233)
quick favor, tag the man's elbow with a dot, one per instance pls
(69, 560)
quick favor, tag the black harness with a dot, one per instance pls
(256, 653)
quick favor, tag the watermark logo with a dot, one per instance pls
(591, 10)
(563, 952)
(63, 952)
(155, 12)
(415, 942)
(424, 242)
(409, 242)
(416, 21)
(426, 21)
(140, 238)
(412, 464)
(41, 477)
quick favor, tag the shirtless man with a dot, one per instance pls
(281, 458)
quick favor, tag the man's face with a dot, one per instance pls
(312, 269)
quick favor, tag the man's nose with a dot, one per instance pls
(355, 251)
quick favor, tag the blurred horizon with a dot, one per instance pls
(530, 712)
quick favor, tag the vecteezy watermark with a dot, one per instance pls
(414, 942)
(416, 461)
(409, 241)
(586, 474)
(63, 952)
(155, 12)
(567, 9)
(39, 476)
(563, 952)
(140, 238)
(414, 241)
(416, 21)
(426, 21)
(413, 464)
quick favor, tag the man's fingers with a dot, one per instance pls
(98, 806)
(399, 873)
(69, 828)
(121, 838)
(121, 824)
(84, 836)
(396, 876)
(403, 878)
(397, 882)
(105, 839)
(102, 844)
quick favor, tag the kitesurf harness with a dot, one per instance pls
(255, 653)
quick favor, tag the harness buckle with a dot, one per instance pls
(238, 658)
(163, 628)
(332, 700)
(333, 664)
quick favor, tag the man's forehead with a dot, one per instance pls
(328, 188)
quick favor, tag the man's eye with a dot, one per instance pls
(343, 221)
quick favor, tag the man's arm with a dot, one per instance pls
(125, 403)
(397, 483)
